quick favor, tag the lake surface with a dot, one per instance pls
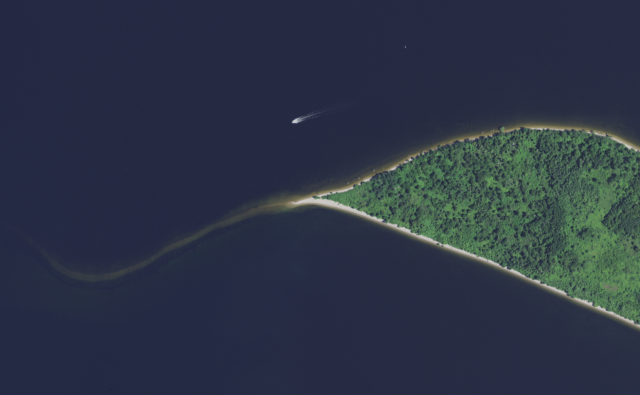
(125, 128)
(308, 301)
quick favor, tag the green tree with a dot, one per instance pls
(560, 207)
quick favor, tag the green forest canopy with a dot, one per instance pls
(562, 207)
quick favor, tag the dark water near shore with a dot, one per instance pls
(126, 127)
(118, 143)
(308, 301)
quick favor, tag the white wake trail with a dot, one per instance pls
(323, 112)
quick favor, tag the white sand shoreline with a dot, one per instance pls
(338, 206)
(595, 133)
(109, 276)
(489, 134)
(341, 207)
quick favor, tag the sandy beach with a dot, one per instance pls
(338, 206)
(595, 132)
(472, 137)
(271, 208)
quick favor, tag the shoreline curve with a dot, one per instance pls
(559, 292)
(271, 208)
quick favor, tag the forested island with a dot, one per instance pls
(561, 207)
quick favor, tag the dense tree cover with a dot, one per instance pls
(562, 207)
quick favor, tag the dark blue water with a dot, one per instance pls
(310, 301)
(126, 126)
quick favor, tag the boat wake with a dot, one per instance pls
(325, 111)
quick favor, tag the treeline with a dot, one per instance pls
(559, 206)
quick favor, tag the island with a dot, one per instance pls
(561, 207)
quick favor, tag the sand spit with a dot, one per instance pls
(272, 208)
(94, 278)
